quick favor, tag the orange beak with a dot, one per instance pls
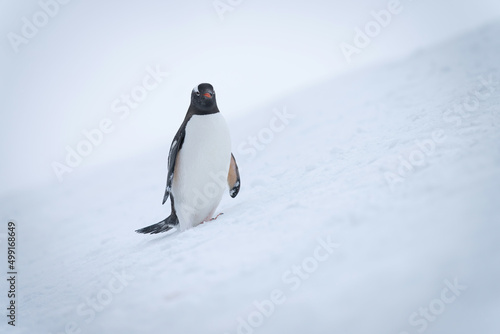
(208, 95)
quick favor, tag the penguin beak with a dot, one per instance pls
(208, 95)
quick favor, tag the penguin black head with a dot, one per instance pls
(203, 99)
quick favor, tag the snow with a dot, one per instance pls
(317, 240)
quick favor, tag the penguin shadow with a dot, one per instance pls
(169, 241)
(149, 241)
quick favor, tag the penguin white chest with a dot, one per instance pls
(201, 169)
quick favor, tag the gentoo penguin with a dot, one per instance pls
(200, 164)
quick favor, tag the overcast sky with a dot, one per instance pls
(67, 76)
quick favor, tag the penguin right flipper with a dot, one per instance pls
(163, 226)
(172, 158)
(233, 178)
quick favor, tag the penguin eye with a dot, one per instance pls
(197, 93)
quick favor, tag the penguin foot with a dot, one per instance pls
(212, 219)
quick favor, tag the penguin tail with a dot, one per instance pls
(165, 225)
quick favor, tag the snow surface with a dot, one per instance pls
(322, 178)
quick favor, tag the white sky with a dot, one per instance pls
(65, 79)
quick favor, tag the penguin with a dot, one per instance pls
(200, 165)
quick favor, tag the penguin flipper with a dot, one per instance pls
(172, 158)
(233, 178)
(165, 225)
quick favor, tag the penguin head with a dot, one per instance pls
(203, 98)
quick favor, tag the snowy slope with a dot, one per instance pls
(372, 208)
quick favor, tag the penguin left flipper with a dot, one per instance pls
(172, 158)
(233, 178)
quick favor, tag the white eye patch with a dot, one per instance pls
(195, 90)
